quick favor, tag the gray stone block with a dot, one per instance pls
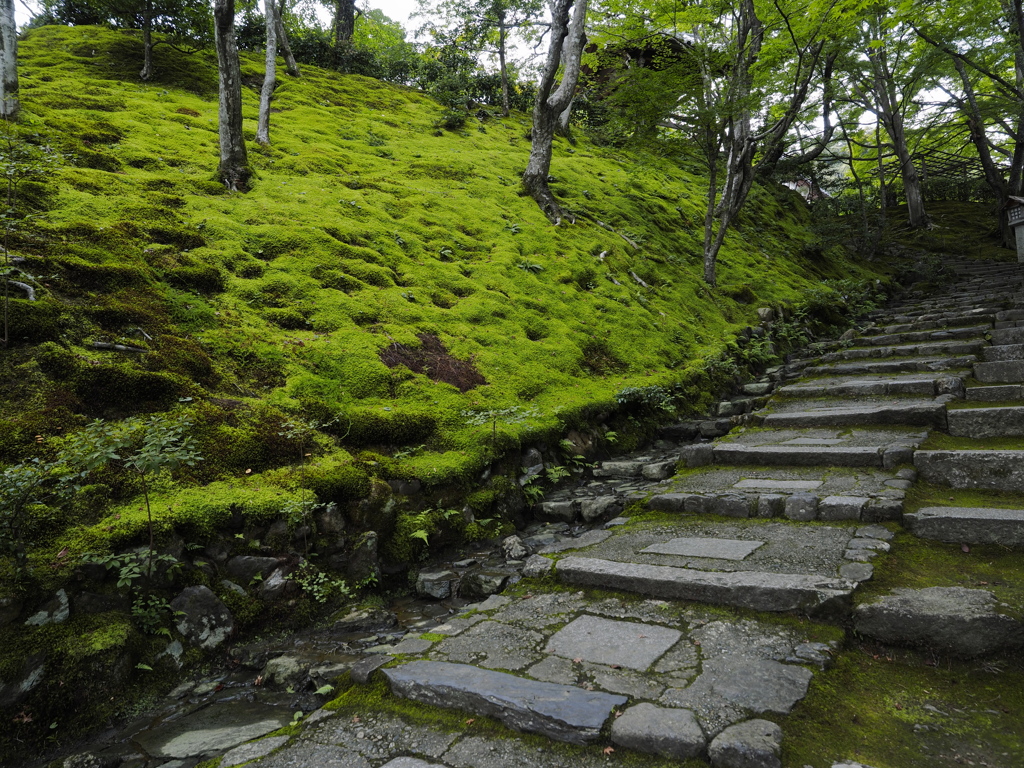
(202, 617)
(619, 469)
(697, 455)
(672, 733)
(981, 470)
(668, 502)
(537, 566)
(996, 392)
(880, 510)
(1003, 352)
(560, 712)
(752, 744)
(556, 511)
(811, 595)
(600, 508)
(924, 415)
(897, 455)
(1008, 336)
(986, 422)
(857, 571)
(955, 620)
(841, 507)
(659, 471)
(715, 427)
(998, 373)
(968, 525)
(771, 505)
(801, 507)
(797, 455)
(244, 568)
(436, 584)
(731, 505)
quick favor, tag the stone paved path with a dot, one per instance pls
(665, 625)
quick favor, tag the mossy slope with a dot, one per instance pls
(366, 227)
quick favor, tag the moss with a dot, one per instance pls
(899, 708)
(337, 483)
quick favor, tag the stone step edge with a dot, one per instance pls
(559, 712)
(817, 596)
(881, 456)
(968, 525)
(798, 506)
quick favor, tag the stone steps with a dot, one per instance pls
(968, 525)
(800, 456)
(1002, 352)
(996, 392)
(1003, 372)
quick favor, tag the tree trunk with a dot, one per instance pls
(501, 65)
(270, 76)
(710, 256)
(739, 170)
(565, 49)
(344, 26)
(147, 41)
(9, 103)
(290, 64)
(234, 162)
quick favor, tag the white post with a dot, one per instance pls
(1019, 231)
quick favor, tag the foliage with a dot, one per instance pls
(318, 585)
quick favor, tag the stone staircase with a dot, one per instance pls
(783, 513)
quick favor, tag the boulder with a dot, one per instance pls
(364, 563)
(672, 733)
(436, 584)
(482, 583)
(245, 568)
(202, 618)
(55, 611)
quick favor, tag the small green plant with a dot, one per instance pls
(142, 447)
(319, 585)
(527, 266)
(532, 489)
(556, 473)
(21, 486)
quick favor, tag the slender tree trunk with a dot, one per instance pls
(147, 41)
(344, 27)
(502, 31)
(9, 103)
(709, 214)
(976, 127)
(883, 192)
(270, 76)
(234, 162)
(565, 49)
(290, 64)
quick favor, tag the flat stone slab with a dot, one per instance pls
(253, 750)
(718, 549)
(770, 484)
(872, 482)
(212, 729)
(983, 470)
(968, 525)
(911, 414)
(986, 422)
(803, 456)
(811, 595)
(955, 620)
(753, 744)
(604, 641)
(895, 365)
(560, 712)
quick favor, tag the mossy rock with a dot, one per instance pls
(392, 427)
(286, 317)
(33, 322)
(124, 388)
(338, 483)
(204, 278)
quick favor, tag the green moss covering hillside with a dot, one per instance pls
(367, 228)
